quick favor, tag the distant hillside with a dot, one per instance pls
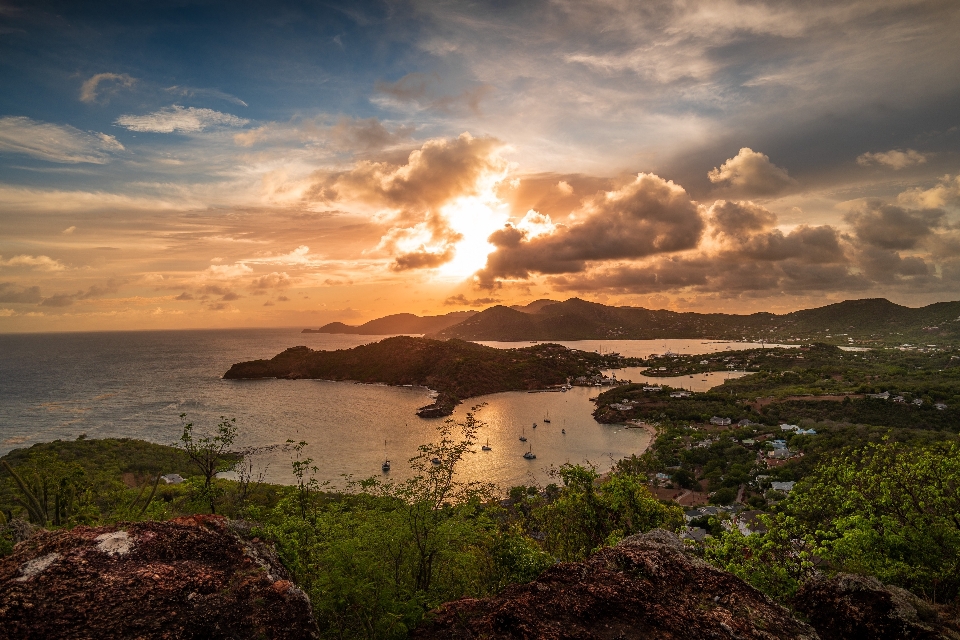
(455, 368)
(397, 323)
(870, 321)
(533, 307)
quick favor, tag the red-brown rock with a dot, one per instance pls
(186, 578)
(648, 586)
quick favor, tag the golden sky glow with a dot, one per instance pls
(430, 157)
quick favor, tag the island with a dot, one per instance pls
(455, 369)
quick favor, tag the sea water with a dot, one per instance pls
(136, 385)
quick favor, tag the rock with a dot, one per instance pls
(855, 607)
(648, 586)
(186, 578)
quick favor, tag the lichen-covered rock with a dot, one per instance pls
(186, 578)
(648, 586)
(853, 607)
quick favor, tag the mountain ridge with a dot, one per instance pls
(870, 320)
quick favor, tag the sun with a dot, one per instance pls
(474, 218)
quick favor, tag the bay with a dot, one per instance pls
(136, 384)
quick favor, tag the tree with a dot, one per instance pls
(210, 454)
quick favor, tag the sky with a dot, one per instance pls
(180, 164)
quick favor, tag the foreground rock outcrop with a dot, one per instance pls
(648, 586)
(852, 607)
(186, 578)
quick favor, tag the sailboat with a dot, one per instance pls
(386, 463)
(523, 435)
(487, 447)
(546, 419)
(530, 455)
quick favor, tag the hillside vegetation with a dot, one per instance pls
(864, 322)
(455, 369)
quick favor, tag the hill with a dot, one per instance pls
(455, 369)
(869, 322)
(397, 323)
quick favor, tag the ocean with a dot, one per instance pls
(136, 384)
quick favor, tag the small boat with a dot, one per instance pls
(546, 419)
(435, 461)
(563, 431)
(386, 461)
(523, 436)
(534, 425)
(487, 446)
(530, 455)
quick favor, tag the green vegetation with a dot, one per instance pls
(815, 383)
(871, 322)
(455, 369)
(877, 488)
(885, 509)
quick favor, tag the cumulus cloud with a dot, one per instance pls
(184, 296)
(739, 219)
(94, 291)
(413, 195)
(648, 216)
(750, 173)
(946, 192)
(177, 119)
(275, 280)
(889, 226)
(226, 271)
(55, 143)
(10, 293)
(895, 159)
(103, 85)
(38, 263)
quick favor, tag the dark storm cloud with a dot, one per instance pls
(892, 227)
(648, 216)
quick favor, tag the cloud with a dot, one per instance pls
(275, 280)
(113, 82)
(93, 291)
(59, 300)
(888, 226)
(414, 196)
(461, 300)
(946, 192)
(367, 134)
(426, 92)
(751, 173)
(433, 175)
(895, 159)
(647, 216)
(739, 219)
(184, 296)
(55, 143)
(422, 258)
(39, 263)
(177, 119)
(12, 294)
(226, 271)
(69, 230)
(194, 92)
(226, 294)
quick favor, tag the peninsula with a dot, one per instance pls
(456, 369)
